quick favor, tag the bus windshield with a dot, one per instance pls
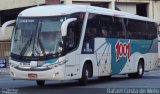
(37, 37)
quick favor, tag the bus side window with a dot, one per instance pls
(104, 32)
(92, 27)
(90, 34)
(105, 26)
(70, 38)
(117, 29)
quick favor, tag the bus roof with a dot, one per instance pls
(52, 10)
(57, 10)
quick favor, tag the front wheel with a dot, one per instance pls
(85, 75)
(140, 71)
(40, 82)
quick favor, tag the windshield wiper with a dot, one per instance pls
(41, 46)
(27, 45)
(40, 43)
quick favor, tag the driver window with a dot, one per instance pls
(70, 38)
(73, 35)
(74, 31)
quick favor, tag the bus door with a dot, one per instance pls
(71, 46)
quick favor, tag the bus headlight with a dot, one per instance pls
(13, 65)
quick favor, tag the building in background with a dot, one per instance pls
(9, 9)
(148, 8)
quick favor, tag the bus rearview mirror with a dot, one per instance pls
(65, 25)
(3, 29)
(6, 24)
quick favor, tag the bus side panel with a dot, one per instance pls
(90, 57)
(103, 56)
(153, 54)
(149, 54)
(154, 61)
(126, 53)
(72, 66)
(151, 60)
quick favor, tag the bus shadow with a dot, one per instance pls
(74, 83)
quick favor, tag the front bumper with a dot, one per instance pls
(52, 74)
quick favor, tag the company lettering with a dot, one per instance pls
(122, 50)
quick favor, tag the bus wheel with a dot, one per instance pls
(40, 82)
(85, 75)
(140, 71)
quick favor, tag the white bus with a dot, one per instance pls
(159, 48)
(65, 42)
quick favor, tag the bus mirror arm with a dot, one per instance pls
(65, 25)
(5, 25)
(2, 31)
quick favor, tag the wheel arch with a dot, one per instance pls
(141, 58)
(143, 62)
(88, 62)
(139, 73)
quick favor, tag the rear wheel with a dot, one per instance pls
(86, 73)
(140, 71)
(40, 82)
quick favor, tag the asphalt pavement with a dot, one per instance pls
(122, 83)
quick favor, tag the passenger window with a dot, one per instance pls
(93, 27)
(90, 34)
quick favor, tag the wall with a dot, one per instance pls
(52, 2)
(5, 50)
(127, 7)
(8, 32)
(9, 4)
(157, 12)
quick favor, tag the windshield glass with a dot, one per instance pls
(37, 37)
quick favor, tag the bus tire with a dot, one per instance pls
(140, 71)
(40, 82)
(85, 75)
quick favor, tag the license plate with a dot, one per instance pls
(32, 75)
